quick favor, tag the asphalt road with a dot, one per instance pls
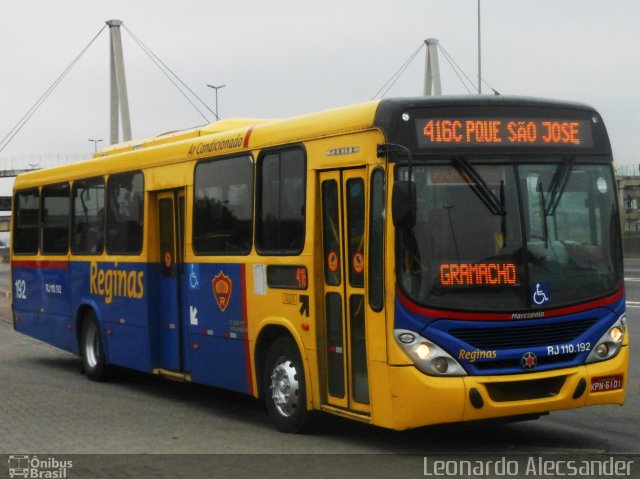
(47, 406)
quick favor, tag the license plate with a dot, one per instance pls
(606, 383)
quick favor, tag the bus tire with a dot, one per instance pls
(92, 349)
(285, 387)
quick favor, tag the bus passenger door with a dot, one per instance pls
(168, 322)
(343, 343)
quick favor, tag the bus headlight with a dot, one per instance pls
(610, 343)
(423, 350)
(616, 334)
(427, 356)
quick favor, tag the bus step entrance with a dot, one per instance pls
(173, 375)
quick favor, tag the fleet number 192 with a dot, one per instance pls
(21, 289)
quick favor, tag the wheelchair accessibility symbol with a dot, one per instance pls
(541, 294)
(194, 276)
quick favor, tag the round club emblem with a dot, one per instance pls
(529, 361)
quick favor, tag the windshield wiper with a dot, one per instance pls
(558, 185)
(479, 186)
(543, 208)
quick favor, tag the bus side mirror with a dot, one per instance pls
(403, 204)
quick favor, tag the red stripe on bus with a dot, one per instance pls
(40, 264)
(549, 313)
(247, 353)
(245, 143)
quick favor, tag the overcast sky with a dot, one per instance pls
(289, 57)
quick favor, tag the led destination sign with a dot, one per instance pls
(503, 132)
(480, 274)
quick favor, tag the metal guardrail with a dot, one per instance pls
(5, 203)
(627, 170)
(27, 162)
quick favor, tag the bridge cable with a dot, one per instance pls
(394, 78)
(452, 62)
(23, 121)
(456, 68)
(169, 73)
(495, 92)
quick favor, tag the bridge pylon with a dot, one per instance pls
(119, 98)
(432, 69)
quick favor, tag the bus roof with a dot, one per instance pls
(172, 147)
(178, 135)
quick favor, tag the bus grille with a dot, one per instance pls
(524, 390)
(509, 337)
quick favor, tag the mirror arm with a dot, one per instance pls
(390, 148)
(387, 148)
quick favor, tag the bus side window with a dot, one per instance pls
(27, 219)
(281, 207)
(55, 219)
(125, 194)
(223, 206)
(88, 216)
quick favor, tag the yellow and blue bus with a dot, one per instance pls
(402, 262)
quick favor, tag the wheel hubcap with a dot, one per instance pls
(91, 345)
(284, 386)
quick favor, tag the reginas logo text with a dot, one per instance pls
(471, 356)
(114, 282)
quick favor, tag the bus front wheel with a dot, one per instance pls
(91, 349)
(285, 387)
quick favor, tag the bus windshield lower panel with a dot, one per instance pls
(554, 241)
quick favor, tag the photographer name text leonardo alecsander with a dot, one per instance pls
(534, 467)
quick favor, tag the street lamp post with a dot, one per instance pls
(95, 144)
(479, 54)
(216, 88)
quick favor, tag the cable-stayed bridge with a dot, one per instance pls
(119, 103)
(12, 165)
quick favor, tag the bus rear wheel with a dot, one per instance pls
(91, 349)
(285, 387)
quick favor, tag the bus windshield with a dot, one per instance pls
(552, 240)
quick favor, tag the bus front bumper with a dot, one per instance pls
(418, 400)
